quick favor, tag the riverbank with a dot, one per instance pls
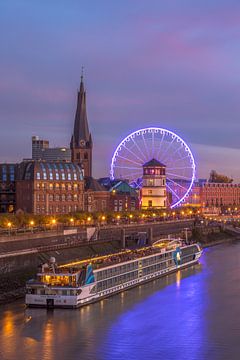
(15, 284)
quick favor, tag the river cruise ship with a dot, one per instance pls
(86, 281)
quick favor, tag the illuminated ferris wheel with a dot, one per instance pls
(163, 145)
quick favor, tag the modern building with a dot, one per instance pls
(153, 193)
(7, 188)
(49, 187)
(42, 151)
(81, 142)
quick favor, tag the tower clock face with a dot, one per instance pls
(82, 143)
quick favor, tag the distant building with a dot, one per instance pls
(81, 142)
(153, 193)
(42, 151)
(7, 188)
(220, 195)
(49, 187)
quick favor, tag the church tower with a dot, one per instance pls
(81, 142)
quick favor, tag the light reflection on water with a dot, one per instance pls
(192, 314)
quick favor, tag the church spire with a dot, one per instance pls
(81, 142)
(81, 131)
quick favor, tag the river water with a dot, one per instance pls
(193, 314)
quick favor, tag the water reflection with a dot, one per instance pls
(191, 314)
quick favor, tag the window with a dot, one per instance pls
(75, 186)
(38, 176)
(63, 186)
(57, 176)
(69, 176)
(149, 203)
(63, 197)
(44, 175)
(69, 187)
(50, 186)
(63, 176)
(75, 176)
(75, 197)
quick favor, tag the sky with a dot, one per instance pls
(172, 64)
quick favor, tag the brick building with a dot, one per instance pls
(7, 188)
(220, 195)
(96, 197)
(49, 187)
(122, 196)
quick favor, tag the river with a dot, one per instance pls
(192, 314)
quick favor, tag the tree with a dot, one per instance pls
(219, 178)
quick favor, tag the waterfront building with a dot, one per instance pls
(7, 188)
(42, 151)
(220, 195)
(153, 193)
(123, 197)
(96, 197)
(81, 142)
(49, 187)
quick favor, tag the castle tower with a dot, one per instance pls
(153, 192)
(81, 142)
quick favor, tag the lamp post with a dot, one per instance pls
(31, 225)
(9, 225)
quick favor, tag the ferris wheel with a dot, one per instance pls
(163, 145)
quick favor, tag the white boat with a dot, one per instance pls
(86, 281)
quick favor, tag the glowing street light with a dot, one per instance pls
(103, 218)
(71, 220)
(54, 221)
(89, 218)
(31, 223)
(9, 225)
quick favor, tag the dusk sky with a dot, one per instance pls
(172, 64)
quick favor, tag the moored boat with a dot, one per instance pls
(86, 281)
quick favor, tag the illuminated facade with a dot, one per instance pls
(153, 193)
(49, 187)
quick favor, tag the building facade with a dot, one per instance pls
(96, 197)
(220, 195)
(49, 187)
(81, 142)
(7, 188)
(153, 193)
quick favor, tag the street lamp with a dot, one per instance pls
(9, 225)
(31, 225)
(71, 220)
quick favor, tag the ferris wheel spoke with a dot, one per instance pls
(173, 192)
(167, 148)
(144, 155)
(144, 141)
(176, 183)
(177, 160)
(153, 145)
(180, 168)
(160, 145)
(179, 176)
(129, 160)
(173, 153)
(131, 152)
